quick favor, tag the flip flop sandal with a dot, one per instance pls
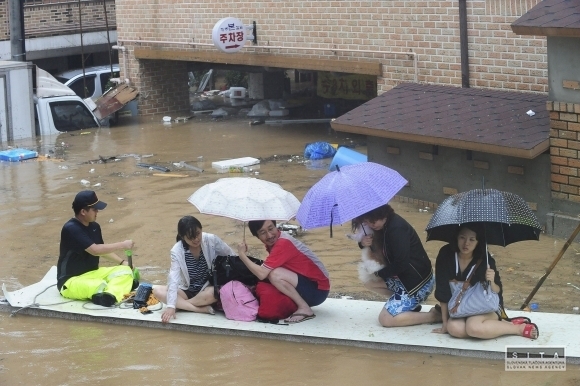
(304, 318)
(519, 320)
(528, 331)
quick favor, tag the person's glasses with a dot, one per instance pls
(264, 232)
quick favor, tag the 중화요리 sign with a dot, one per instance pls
(229, 35)
(346, 86)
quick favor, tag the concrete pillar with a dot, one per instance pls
(162, 87)
(17, 39)
(266, 85)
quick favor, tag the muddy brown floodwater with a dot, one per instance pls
(35, 202)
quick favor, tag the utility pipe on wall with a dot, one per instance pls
(17, 33)
(410, 53)
(123, 49)
(463, 46)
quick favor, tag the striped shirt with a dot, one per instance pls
(197, 269)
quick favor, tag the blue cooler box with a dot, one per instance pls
(345, 156)
(16, 155)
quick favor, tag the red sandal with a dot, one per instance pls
(519, 320)
(529, 327)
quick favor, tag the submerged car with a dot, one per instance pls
(96, 81)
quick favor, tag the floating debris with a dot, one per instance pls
(153, 167)
(182, 164)
(291, 229)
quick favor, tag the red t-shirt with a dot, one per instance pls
(293, 255)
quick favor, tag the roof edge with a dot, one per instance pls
(545, 31)
(452, 143)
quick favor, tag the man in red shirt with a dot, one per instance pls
(291, 267)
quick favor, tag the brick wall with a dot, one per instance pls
(162, 87)
(565, 150)
(49, 17)
(498, 58)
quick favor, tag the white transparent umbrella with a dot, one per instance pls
(245, 199)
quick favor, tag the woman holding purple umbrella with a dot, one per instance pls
(405, 275)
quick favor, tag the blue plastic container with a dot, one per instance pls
(15, 155)
(329, 110)
(345, 156)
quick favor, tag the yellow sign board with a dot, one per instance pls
(346, 86)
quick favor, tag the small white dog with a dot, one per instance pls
(371, 261)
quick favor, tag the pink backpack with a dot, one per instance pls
(238, 302)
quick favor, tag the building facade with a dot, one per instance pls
(397, 41)
(58, 33)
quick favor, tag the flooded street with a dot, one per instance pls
(144, 205)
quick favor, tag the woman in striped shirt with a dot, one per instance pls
(188, 287)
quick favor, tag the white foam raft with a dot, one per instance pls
(338, 321)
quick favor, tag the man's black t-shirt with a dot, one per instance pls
(73, 259)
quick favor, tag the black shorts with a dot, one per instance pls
(308, 290)
(190, 294)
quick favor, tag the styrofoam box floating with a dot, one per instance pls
(244, 163)
(279, 113)
(15, 155)
(237, 92)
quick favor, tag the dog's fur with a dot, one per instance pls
(371, 261)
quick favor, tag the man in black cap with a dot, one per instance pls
(81, 245)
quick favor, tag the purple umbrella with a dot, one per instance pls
(347, 193)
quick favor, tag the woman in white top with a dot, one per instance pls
(192, 256)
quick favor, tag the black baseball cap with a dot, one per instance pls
(87, 198)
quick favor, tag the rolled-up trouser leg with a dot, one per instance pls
(116, 280)
(119, 282)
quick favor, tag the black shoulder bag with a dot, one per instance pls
(228, 268)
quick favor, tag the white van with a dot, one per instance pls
(97, 81)
(58, 109)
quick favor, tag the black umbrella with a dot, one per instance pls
(507, 217)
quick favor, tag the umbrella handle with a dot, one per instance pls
(331, 215)
(365, 232)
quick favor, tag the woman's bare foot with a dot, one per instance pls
(204, 310)
(529, 330)
(436, 314)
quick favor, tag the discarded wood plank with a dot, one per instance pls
(170, 175)
(295, 121)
